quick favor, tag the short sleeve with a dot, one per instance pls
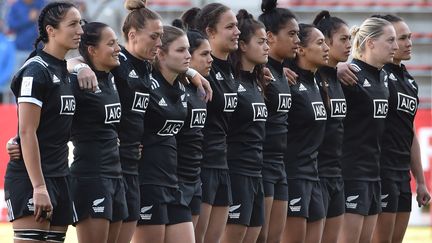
(32, 85)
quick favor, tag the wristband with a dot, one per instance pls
(80, 66)
(191, 72)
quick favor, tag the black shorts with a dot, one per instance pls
(275, 181)
(305, 199)
(395, 196)
(99, 198)
(333, 196)
(248, 201)
(131, 184)
(216, 187)
(278, 190)
(19, 199)
(192, 195)
(162, 205)
(362, 197)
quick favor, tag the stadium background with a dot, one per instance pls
(417, 13)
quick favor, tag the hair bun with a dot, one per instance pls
(135, 4)
(268, 5)
(354, 30)
(321, 16)
(244, 14)
(178, 23)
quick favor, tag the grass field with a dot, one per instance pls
(413, 235)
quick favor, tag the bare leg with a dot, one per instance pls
(368, 228)
(314, 231)
(182, 232)
(400, 227)
(332, 229)
(351, 228)
(295, 230)
(149, 234)
(126, 231)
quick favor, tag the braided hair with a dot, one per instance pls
(52, 14)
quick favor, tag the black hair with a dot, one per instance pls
(188, 18)
(209, 16)
(195, 37)
(274, 18)
(247, 26)
(304, 33)
(137, 17)
(52, 14)
(327, 24)
(91, 37)
(389, 17)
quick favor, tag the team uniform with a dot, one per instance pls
(97, 185)
(397, 140)
(278, 102)
(245, 144)
(189, 150)
(367, 106)
(162, 201)
(132, 79)
(306, 127)
(44, 81)
(330, 150)
(216, 185)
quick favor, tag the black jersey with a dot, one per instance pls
(367, 107)
(330, 151)
(306, 127)
(278, 101)
(398, 133)
(190, 137)
(133, 83)
(94, 133)
(44, 81)
(165, 116)
(247, 129)
(219, 113)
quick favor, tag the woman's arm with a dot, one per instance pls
(86, 77)
(423, 196)
(28, 120)
(202, 84)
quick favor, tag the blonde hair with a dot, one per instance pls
(371, 28)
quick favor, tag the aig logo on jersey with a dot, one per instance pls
(319, 110)
(171, 128)
(284, 102)
(230, 102)
(112, 113)
(198, 118)
(407, 103)
(338, 107)
(260, 111)
(67, 105)
(380, 108)
(140, 102)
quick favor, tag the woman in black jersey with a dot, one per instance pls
(282, 37)
(367, 104)
(164, 215)
(219, 24)
(97, 187)
(400, 151)
(190, 137)
(37, 186)
(306, 127)
(246, 133)
(142, 30)
(338, 38)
